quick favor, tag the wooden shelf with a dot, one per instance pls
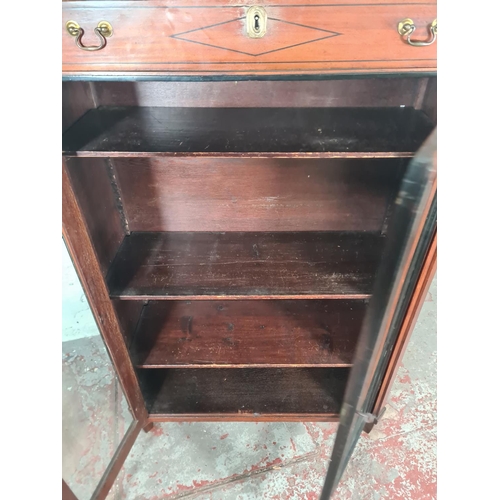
(310, 132)
(261, 333)
(244, 394)
(244, 265)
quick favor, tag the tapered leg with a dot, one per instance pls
(368, 427)
(148, 427)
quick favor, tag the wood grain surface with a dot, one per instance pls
(81, 249)
(268, 333)
(244, 391)
(97, 201)
(209, 38)
(236, 194)
(141, 131)
(332, 93)
(245, 265)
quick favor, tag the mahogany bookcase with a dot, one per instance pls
(255, 239)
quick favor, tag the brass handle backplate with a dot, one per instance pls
(406, 27)
(103, 31)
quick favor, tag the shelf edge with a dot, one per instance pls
(244, 417)
(353, 296)
(297, 155)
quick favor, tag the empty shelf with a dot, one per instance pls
(239, 265)
(311, 132)
(260, 333)
(245, 394)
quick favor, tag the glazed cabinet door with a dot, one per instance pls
(408, 238)
(98, 429)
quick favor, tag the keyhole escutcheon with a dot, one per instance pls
(256, 22)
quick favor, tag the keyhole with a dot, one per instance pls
(256, 25)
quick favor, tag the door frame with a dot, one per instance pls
(410, 237)
(85, 261)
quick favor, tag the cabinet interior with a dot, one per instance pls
(240, 242)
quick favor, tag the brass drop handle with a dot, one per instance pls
(103, 30)
(406, 28)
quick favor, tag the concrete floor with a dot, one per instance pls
(247, 461)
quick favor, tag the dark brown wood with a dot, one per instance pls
(77, 99)
(128, 313)
(67, 494)
(148, 427)
(429, 104)
(79, 243)
(252, 391)
(241, 177)
(418, 297)
(209, 38)
(408, 237)
(246, 417)
(97, 201)
(114, 467)
(141, 131)
(235, 194)
(270, 333)
(245, 265)
(367, 92)
(427, 163)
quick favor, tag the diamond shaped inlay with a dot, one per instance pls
(280, 35)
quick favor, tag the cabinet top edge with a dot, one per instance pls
(168, 77)
(207, 4)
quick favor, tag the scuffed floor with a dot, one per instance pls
(247, 461)
(95, 415)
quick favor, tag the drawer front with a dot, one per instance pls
(190, 37)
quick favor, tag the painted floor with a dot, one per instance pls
(247, 461)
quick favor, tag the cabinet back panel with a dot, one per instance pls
(184, 194)
(370, 92)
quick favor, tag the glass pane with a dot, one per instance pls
(95, 414)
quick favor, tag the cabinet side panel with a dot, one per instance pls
(128, 313)
(430, 100)
(77, 99)
(84, 256)
(92, 184)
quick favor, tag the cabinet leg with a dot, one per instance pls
(148, 427)
(368, 427)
